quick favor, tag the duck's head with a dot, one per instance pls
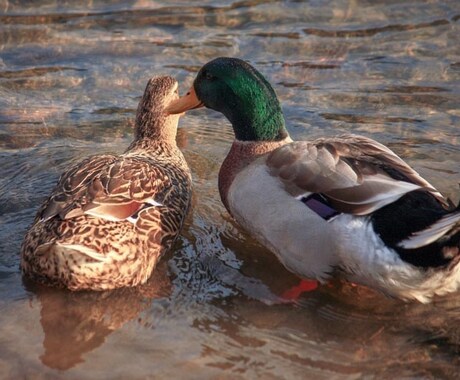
(152, 120)
(236, 89)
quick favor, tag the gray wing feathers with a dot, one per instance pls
(357, 174)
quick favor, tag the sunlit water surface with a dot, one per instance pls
(71, 74)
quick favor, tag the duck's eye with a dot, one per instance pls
(208, 75)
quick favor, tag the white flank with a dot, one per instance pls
(297, 235)
(312, 247)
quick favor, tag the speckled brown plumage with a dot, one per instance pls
(110, 218)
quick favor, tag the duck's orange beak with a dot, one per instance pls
(187, 102)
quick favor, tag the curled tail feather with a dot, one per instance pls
(446, 230)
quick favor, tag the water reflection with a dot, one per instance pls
(76, 323)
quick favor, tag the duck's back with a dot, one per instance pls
(108, 221)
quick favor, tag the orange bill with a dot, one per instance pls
(187, 102)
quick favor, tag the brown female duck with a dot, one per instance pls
(111, 217)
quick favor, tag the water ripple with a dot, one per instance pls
(368, 32)
(36, 71)
(311, 65)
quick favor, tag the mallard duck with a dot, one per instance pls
(111, 217)
(344, 205)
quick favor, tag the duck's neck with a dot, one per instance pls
(241, 154)
(154, 142)
(152, 123)
(255, 114)
(150, 147)
(259, 124)
(156, 126)
(154, 130)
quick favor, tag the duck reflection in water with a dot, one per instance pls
(76, 323)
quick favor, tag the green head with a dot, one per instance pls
(236, 89)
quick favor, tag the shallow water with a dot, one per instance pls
(70, 79)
